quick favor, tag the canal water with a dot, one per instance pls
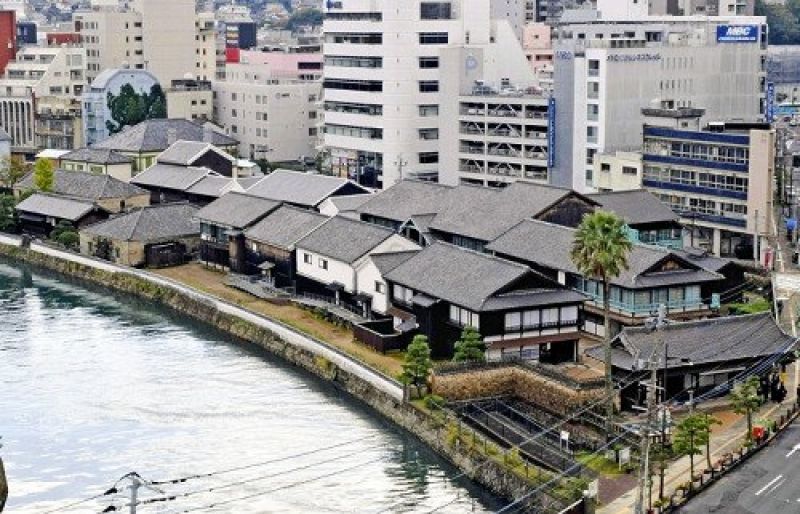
(94, 385)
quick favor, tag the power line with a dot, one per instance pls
(262, 463)
(113, 490)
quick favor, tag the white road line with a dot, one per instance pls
(768, 485)
(795, 449)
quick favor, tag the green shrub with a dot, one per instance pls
(434, 402)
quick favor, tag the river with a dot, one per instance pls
(94, 385)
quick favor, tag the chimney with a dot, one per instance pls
(172, 136)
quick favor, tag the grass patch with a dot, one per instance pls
(598, 463)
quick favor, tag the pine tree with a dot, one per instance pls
(417, 366)
(470, 348)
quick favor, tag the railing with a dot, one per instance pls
(650, 308)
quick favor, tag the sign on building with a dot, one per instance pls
(737, 33)
(551, 133)
(770, 102)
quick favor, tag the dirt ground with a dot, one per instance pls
(212, 282)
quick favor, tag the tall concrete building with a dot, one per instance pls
(168, 39)
(40, 102)
(703, 7)
(382, 79)
(608, 70)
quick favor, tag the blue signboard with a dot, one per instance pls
(770, 102)
(737, 33)
(551, 133)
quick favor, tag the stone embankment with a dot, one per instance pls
(382, 393)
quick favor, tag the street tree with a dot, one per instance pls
(745, 400)
(709, 421)
(44, 175)
(417, 366)
(600, 250)
(12, 169)
(8, 216)
(470, 348)
(691, 435)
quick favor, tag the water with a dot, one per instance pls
(95, 385)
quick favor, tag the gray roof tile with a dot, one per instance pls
(97, 156)
(285, 226)
(386, 262)
(154, 136)
(303, 189)
(406, 199)
(549, 245)
(170, 176)
(730, 338)
(90, 186)
(153, 223)
(344, 239)
(60, 207)
(236, 210)
(184, 153)
(636, 207)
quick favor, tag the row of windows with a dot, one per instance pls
(353, 108)
(464, 317)
(699, 151)
(353, 16)
(353, 62)
(699, 179)
(308, 259)
(374, 86)
(367, 38)
(350, 131)
(542, 318)
(704, 206)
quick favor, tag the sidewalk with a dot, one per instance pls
(726, 438)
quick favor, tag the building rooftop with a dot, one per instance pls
(303, 189)
(96, 156)
(185, 153)
(285, 226)
(54, 206)
(156, 222)
(156, 136)
(236, 210)
(89, 186)
(386, 262)
(549, 245)
(724, 339)
(471, 279)
(170, 176)
(636, 207)
(406, 199)
(344, 239)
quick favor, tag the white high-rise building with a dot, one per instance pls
(382, 79)
(607, 71)
(168, 39)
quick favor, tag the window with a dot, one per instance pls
(323, 263)
(569, 315)
(428, 62)
(428, 157)
(380, 287)
(402, 294)
(513, 321)
(428, 86)
(464, 317)
(307, 258)
(426, 111)
(550, 317)
(433, 38)
(429, 134)
(629, 170)
(435, 11)
(605, 167)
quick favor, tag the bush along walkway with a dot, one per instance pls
(728, 450)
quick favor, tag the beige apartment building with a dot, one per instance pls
(169, 39)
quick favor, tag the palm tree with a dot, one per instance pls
(600, 251)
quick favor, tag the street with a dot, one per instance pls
(766, 484)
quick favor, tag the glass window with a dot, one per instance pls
(513, 320)
(569, 314)
(531, 319)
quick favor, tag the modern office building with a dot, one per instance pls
(383, 82)
(703, 7)
(608, 70)
(97, 108)
(273, 118)
(40, 104)
(717, 177)
(168, 39)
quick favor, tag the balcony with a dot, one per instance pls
(647, 309)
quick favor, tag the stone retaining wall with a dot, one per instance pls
(515, 381)
(365, 384)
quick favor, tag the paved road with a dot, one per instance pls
(768, 483)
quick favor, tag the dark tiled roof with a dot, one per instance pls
(349, 203)
(97, 156)
(636, 207)
(285, 226)
(54, 206)
(703, 259)
(730, 338)
(406, 199)
(183, 153)
(213, 186)
(154, 136)
(236, 210)
(344, 239)
(386, 262)
(170, 176)
(157, 222)
(90, 186)
(460, 276)
(295, 187)
(549, 245)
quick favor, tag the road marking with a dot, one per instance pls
(768, 485)
(795, 449)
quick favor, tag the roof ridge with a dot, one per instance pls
(483, 254)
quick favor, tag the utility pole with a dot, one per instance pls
(400, 163)
(136, 483)
(756, 252)
(644, 467)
